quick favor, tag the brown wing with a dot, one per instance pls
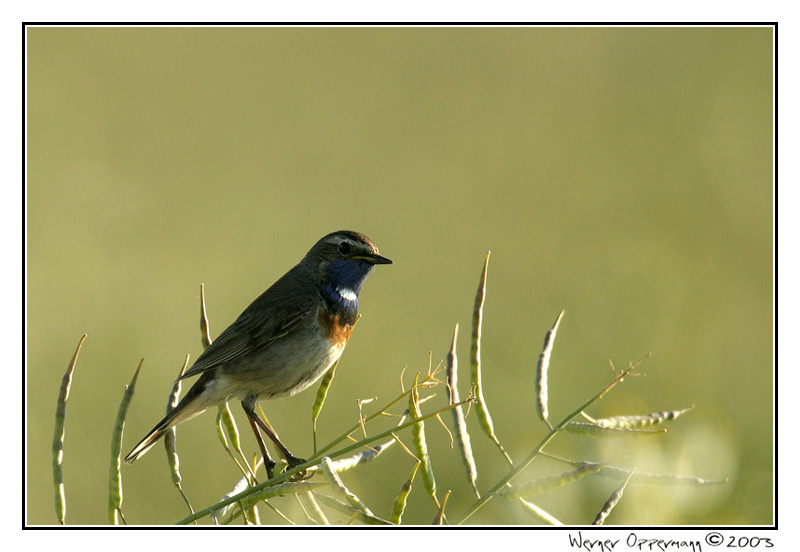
(274, 315)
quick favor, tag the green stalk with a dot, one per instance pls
(522, 465)
(284, 476)
(320, 453)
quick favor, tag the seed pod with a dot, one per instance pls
(594, 430)
(550, 482)
(58, 435)
(354, 513)
(400, 502)
(484, 417)
(114, 475)
(336, 484)
(169, 437)
(438, 519)
(226, 417)
(462, 436)
(227, 513)
(634, 422)
(418, 435)
(539, 513)
(611, 502)
(541, 371)
(205, 331)
(319, 401)
(614, 472)
(351, 462)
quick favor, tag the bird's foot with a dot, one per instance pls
(270, 467)
(302, 475)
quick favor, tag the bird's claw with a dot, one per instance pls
(302, 475)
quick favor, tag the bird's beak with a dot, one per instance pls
(375, 259)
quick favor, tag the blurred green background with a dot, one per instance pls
(622, 174)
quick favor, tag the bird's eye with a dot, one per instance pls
(344, 248)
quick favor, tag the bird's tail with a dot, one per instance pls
(189, 407)
(150, 440)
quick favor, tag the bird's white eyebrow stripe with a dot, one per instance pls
(340, 239)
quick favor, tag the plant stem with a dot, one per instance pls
(519, 467)
(280, 478)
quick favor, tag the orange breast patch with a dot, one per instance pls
(334, 329)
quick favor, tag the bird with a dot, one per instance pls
(283, 342)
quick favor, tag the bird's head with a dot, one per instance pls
(343, 260)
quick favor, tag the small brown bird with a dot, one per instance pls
(283, 342)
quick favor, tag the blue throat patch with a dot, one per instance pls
(343, 285)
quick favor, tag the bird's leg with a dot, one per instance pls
(269, 464)
(256, 422)
(291, 459)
